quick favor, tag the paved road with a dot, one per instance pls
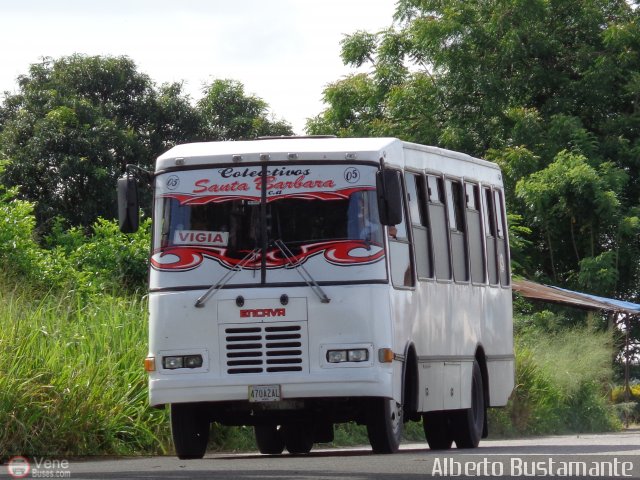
(618, 452)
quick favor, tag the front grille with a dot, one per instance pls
(264, 348)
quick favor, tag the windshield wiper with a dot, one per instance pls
(306, 276)
(226, 278)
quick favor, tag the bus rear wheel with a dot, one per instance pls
(384, 425)
(269, 439)
(298, 437)
(468, 424)
(190, 430)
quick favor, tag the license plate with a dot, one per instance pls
(264, 393)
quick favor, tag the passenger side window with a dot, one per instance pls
(474, 231)
(455, 206)
(457, 230)
(490, 233)
(400, 254)
(502, 240)
(439, 227)
(417, 195)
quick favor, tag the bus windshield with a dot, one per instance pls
(323, 225)
(298, 222)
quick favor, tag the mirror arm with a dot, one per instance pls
(382, 181)
(140, 173)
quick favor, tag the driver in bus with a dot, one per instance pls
(361, 224)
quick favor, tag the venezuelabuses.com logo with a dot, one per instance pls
(21, 467)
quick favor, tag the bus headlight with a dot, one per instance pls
(182, 361)
(358, 355)
(193, 361)
(171, 363)
(336, 356)
(352, 355)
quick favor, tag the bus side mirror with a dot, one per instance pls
(128, 210)
(389, 190)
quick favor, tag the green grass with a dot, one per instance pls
(71, 376)
(563, 380)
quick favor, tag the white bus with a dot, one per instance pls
(297, 283)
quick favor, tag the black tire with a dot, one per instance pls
(437, 430)
(384, 425)
(468, 424)
(298, 437)
(269, 439)
(190, 430)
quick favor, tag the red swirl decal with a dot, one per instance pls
(342, 194)
(193, 199)
(341, 253)
(190, 199)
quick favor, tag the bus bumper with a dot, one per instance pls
(371, 382)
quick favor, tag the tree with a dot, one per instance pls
(229, 114)
(577, 208)
(73, 126)
(548, 89)
(77, 121)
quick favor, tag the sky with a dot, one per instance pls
(283, 51)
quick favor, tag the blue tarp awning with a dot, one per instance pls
(552, 294)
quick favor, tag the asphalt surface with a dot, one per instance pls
(596, 456)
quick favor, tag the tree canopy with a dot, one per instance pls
(549, 89)
(229, 114)
(76, 121)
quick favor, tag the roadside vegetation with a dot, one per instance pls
(564, 378)
(71, 380)
(73, 335)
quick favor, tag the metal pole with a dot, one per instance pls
(627, 390)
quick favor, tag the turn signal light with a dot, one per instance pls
(150, 364)
(385, 355)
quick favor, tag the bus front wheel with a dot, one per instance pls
(190, 430)
(384, 425)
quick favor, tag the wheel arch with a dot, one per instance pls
(482, 362)
(410, 383)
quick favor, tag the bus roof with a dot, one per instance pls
(305, 148)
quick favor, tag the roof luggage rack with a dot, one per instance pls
(294, 137)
